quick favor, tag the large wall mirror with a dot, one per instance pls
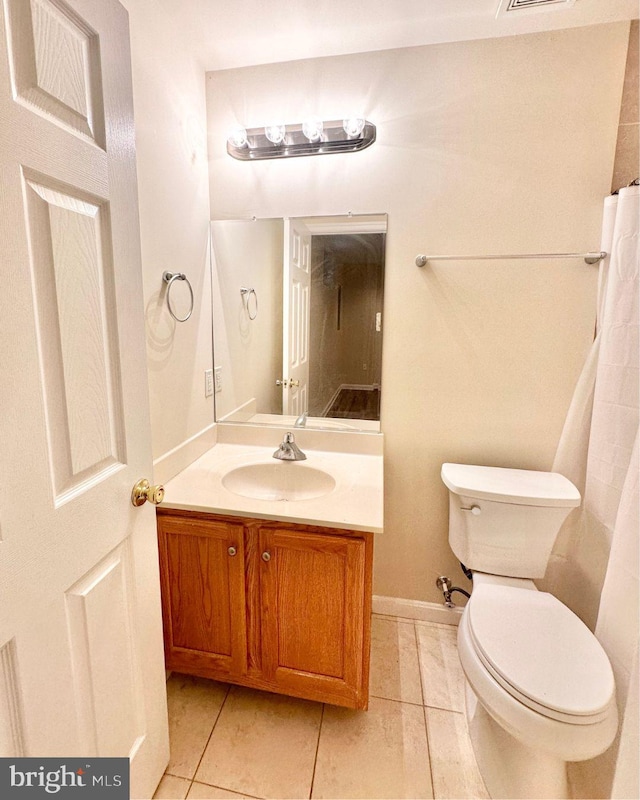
(298, 320)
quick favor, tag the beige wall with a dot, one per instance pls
(169, 107)
(488, 146)
(626, 167)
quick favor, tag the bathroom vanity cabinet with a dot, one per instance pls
(272, 605)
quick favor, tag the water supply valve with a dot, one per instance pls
(444, 584)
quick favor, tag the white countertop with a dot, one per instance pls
(355, 503)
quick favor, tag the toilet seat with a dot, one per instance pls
(541, 653)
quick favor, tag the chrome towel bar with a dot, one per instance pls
(590, 258)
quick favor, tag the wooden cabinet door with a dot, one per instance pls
(314, 632)
(202, 574)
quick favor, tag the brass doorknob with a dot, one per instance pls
(143, 491)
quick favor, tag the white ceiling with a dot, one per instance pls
(235, 33)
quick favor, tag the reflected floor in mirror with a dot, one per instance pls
(356, 404)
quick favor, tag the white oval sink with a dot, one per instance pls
(278, 481)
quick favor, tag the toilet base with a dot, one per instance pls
(509, 768)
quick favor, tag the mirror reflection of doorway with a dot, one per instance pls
(346, 322)
(266, 357)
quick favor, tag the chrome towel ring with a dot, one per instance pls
(246, 297)
(169, 278)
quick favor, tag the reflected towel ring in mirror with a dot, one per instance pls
(246, 297)
(169, 278)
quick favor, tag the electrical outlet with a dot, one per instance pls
(208, 382)
(218, 379)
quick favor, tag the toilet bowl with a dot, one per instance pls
(539, 671)
(540, 690)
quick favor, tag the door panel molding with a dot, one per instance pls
(11, 726)
(72, 282)
(66, 90)
(108, 690)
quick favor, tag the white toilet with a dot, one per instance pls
(540, 690)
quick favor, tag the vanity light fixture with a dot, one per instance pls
(309, 138)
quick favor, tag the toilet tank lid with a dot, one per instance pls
(502, 485)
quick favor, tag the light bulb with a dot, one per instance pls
(238, 137)
(275, 133)
(312, 129)
(353, 126)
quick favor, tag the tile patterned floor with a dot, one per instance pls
(231, 742)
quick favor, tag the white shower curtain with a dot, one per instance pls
(594, 568)
(612, 485)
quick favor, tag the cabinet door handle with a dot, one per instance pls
(232, 551)
(266, 556)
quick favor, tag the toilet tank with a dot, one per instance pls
(505, 521)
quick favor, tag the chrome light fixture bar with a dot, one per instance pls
(312, 138)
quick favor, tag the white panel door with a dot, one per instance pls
(296, 305)
(81, 662)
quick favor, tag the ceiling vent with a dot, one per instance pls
(507, 6)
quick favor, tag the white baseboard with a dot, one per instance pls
(416, 609)
(173, 462)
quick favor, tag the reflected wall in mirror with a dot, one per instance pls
(298, 320)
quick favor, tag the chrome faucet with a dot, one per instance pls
(302, 420)
(289, 450)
